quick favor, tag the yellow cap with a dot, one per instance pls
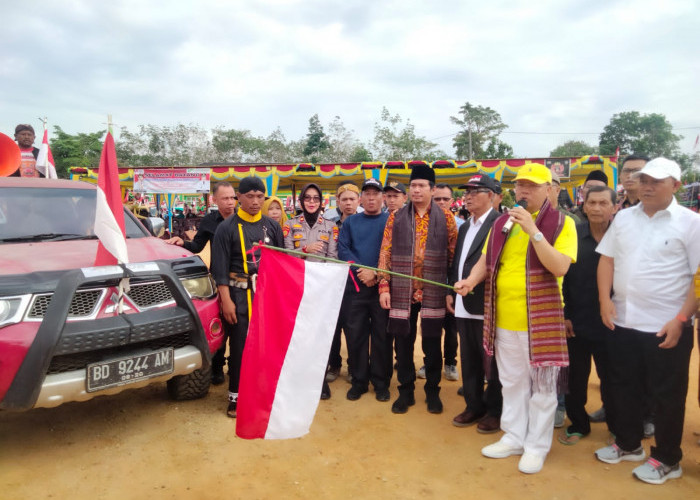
(535, 172)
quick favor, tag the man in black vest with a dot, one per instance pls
(483, 407)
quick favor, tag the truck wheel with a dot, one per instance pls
(192, 386)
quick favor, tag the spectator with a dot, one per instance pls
(394, 196)
(274, 209)
(586, 333)
(235, 270)
(483, 407)
(631, 165)
(225, 198)
(594, 178)
(360, 240)
(648, 259)
(347, 197)
(419, 240)
(24, 135)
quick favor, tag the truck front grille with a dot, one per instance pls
(84, 304)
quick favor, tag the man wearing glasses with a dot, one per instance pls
(523, 314)
(630, 182)
(483, 407)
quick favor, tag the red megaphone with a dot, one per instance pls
(10, 156)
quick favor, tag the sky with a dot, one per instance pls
(554, 70)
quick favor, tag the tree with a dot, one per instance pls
(485, 125)
(154, 145)
(651, 135)
(79, 150)
(497, 149)
(316, 140)
(393, 143)
(573, 148)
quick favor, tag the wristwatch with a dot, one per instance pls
(538, 236)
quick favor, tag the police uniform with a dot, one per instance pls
(298, 234)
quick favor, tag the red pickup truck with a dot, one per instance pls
(64, 333)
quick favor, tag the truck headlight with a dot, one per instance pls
(200, 288)
(12, 309)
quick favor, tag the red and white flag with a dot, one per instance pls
(44, 161)
(289, 338)
(109, 214)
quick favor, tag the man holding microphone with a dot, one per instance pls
(525, 256)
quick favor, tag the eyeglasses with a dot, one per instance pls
(312, 198)
(442, 199)
(473, 192)
(630, 170)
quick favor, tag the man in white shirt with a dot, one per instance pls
(483, 407)
(648, 259)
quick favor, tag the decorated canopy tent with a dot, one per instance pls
(283, 179)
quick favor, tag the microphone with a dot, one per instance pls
(509, 223)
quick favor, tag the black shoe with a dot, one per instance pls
(402, 403)
(382, 394)
(356, 392)
(325, 391)
(460, 391)
(434, 403)
(231, 410)
(217, 377)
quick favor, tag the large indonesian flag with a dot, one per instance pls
(286, 352)
(109, 214)
(44, 160)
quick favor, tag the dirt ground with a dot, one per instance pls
(139, 444)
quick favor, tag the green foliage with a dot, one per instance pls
(572, 149)
(508, 199)
(316, 140)
(79, 150)
(497, 149)
(650, 135)
(486, 125)
(154, 145)
(392, 143)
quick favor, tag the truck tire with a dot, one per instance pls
(192, 386)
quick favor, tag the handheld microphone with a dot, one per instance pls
(509, 223)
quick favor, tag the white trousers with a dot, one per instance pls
(527, 418)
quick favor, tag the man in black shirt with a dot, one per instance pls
(585, 331)
(235, 270)
(224, 197)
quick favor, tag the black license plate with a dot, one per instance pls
(129, 369)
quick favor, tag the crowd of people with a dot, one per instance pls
(537, 294)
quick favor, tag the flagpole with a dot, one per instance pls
(361, 266)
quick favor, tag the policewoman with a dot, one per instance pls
(311, 234)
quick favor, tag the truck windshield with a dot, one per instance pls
(31, 214)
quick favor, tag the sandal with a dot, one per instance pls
(569, 438)
(231, 411)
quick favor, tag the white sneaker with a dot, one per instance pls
(613, 454)
(421, 372)
(451, 373)
(530, 463)
(499, 449)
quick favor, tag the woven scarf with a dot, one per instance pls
(545, 313)
(434, 268)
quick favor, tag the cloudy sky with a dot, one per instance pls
(554, 70)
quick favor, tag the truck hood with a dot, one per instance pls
(23, 258)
